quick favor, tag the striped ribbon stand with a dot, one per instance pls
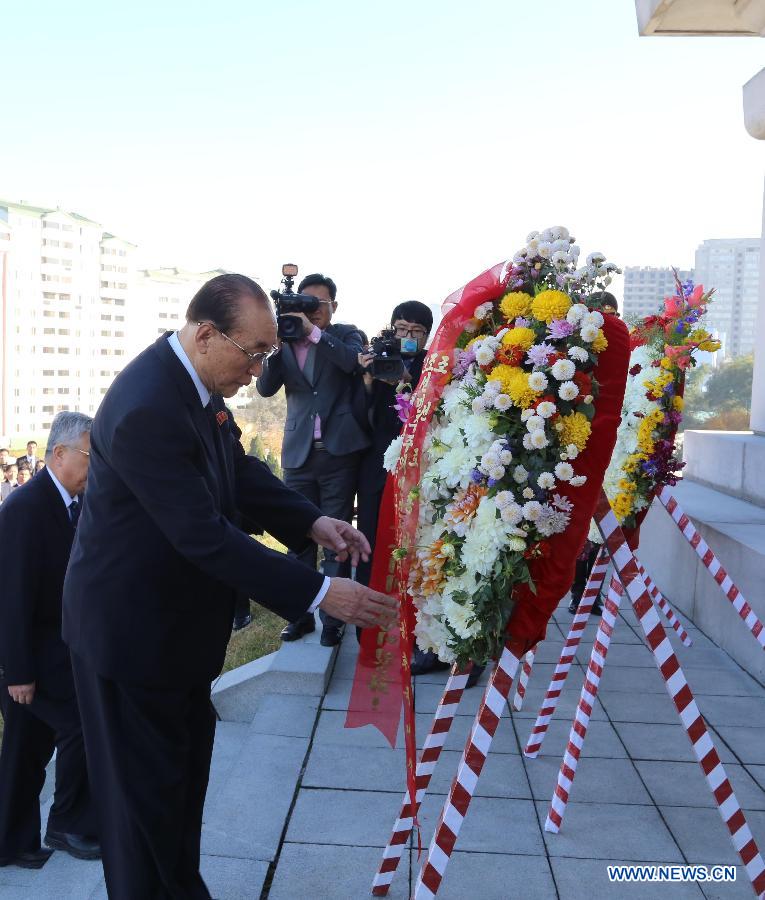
(712, 564)
(681, 695)
(470, 766)
(431, 751)
(584, 708)
(550, 702)
(664, 605)
(523, 678)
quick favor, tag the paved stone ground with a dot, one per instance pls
(300, 807)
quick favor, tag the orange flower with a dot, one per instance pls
(465, 504)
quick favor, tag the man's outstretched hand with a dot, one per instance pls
(344, 539)
(359, 605)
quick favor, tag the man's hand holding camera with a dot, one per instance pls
(308, 325)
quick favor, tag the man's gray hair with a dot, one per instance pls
(67, 428)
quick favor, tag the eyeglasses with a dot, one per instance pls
(84, 452)
(253, 357)
(403, 331)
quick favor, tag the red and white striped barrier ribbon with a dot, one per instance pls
(434, 744)
(584, 708)
(681, 695)
(664, 605)
(471, 764)
(523, 678)
(550, 702)
(712, 564)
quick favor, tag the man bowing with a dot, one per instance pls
(155, 570)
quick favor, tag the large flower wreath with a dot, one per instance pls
(502, 447)
(645, 457)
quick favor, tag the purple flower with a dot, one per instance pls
(492, 482)
(687, 287)
(477, 476)
(403, 406)
(538, 354)
(560, 328)
(520, 322)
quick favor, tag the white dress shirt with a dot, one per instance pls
(204, 397)
(65, 495)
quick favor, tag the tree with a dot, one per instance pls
(719, 399)
(730, 386)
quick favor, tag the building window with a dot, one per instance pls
(48, 350)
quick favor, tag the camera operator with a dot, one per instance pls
(322, 439)
(410, 322)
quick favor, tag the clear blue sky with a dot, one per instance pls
(401, 147)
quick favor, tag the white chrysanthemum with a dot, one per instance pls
(520, 474)
(568, 390)
(531, 247)
(576, 312)
(544, 249)
(503, 499)
(561, 244)
(497, 473)
(461, 617)
(537, 381)
(532, 510)
(564, 471)
(478, 405)
(527, 445)
(594, 317)
(578, 480)
(526, 414)
(527, 493)
(538, 440)
(595, 258)
(578, 353)
(560, 259)
(546, 480)
(588, 333)
(492, 387)
(505, 457)
(563, 370)
(484, 356)
(502, 402)
(392, 454)
(531, 235)
(560, 233)
(575, 250)
(573, 451)
(546, 408)
(517, 544)
(482, 310)
(512, 514)
(534, 423)
(453, 397)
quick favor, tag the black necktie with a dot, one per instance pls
(74, 512)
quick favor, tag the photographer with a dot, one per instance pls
(410, 321)
(322, 439)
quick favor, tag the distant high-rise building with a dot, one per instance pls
(646, 287)
(732, 267)
(74, 311)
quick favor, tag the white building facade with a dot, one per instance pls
(74, 309)
(732, 267)
(645, 288)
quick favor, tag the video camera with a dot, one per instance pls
(289, 328)
(388, 351)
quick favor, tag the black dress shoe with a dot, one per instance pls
(80, 846)
(295, 630)
(331, 635)
(573, 606)
(475, 674)
(426, 661)
(241, 622)
(32, 859)
(597, 608)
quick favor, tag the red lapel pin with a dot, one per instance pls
(222, 417)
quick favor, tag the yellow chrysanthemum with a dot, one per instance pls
(710, 346)
(699, 334)
(622, 506)
(576, 430)
(515, 304)
(549, 305)
(515, 383)
(632, 463)
(519, 337)
(600, 343)
(666, 363)
(627, 486)
(678, 403)
(645, 440)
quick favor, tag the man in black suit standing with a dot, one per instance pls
(322, 439)
(37, 696)
(156, 566)
(31, 458)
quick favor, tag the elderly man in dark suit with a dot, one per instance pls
(155, 569)
(37, 696)
(322, 438)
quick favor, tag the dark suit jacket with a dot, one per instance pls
(36, 536)
(325, 387)
(157, 562)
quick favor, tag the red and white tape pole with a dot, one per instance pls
(523, 678)
(664, 605)
(712, 564)
(550, 702)
(584, 708)
(434, 744)
(680, 693)
(473, 758)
